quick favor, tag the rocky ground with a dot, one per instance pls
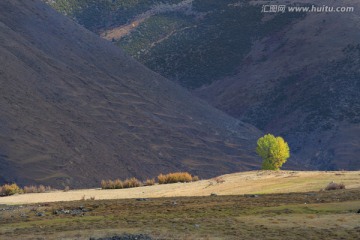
(126, 237)
(310, 215)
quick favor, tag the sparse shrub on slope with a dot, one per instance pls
(175, 178)
(131, 183)
(195, 178)
(161, 179)
(10, 189)
(41, 189)
(118, 184)
(334, 186)
(219, 180)
(150, 182)
(110, 184)
(30, 189)
(36, 189)
(104, 184)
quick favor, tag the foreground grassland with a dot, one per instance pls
(250, 205)
(312, 215)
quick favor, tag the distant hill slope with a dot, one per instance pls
(291, 74)
(75, 109)
(193, 42)
(303, 83)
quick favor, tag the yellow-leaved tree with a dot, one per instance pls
(273, 150)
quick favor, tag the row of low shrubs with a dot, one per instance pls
(176, 177)
(11, 189)
(119, 184)
(162, 179)
(37, 189)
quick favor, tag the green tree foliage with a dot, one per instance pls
(273, 150)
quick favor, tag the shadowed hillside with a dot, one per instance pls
(192, 42)
(75, 109)
(291, 74)
(303, 83)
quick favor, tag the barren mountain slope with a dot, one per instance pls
(303, 82)
(294, 74)
(75, 109)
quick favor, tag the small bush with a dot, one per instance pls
(219, 180)
(334, 186)
(37, 189)
(10, 189)
(162, 179)
(118, 184)
(175, 178)
(131, 183)
(66, 189)
(195, 179)
(109, 184)
(149, 182)
(104, 184)
(30, 189)
(41, 189)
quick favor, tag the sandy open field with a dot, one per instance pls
(255, 182)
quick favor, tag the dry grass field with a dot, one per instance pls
(250, 205)
(255, 182)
